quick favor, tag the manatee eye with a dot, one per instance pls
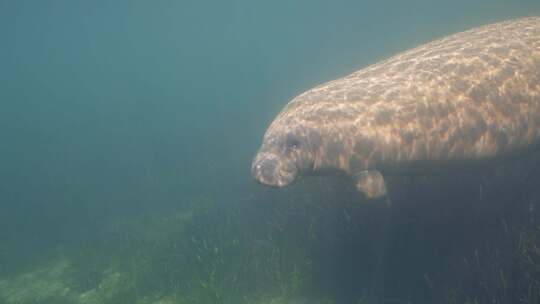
(292, 143)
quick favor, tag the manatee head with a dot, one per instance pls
(287, 150)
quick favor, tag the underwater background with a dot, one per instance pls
(127, 132)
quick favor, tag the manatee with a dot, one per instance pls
(465, 98)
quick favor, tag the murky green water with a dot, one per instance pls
(127, 131)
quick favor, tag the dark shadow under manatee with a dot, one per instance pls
(365, 250)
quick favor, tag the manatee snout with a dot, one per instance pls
(272, 170)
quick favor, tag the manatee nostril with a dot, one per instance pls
(264, 171)
(270, 170)
(267, 168)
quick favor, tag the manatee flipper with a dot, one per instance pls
(370, 183)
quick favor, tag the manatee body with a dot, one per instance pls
(468, 97)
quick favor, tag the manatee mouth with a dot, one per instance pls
(268, 169)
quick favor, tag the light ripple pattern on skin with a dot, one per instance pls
(470, 96)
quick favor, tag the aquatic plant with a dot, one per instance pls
(211, 252)
(46, 284)
(505, 269)
(529, 263)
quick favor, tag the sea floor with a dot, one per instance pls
(195, 255)
(54, 283)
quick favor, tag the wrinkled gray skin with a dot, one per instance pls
(470, 96)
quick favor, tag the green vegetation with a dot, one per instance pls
(504, 270)
(205, 253)
(274, 252)
(529, 262)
